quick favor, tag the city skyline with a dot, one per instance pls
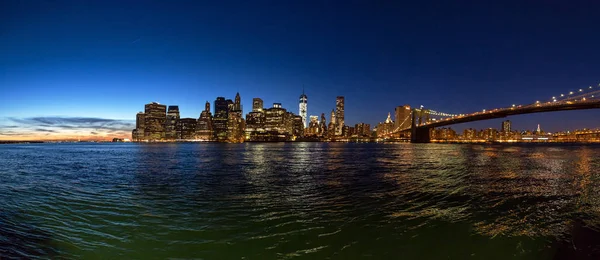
(76, 69)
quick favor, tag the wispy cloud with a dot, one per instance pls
(64, 127)
(45, 130)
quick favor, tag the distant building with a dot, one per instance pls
(275, 118)
(362, 130)
(220, 118)
(403, 117)
(255, 123)
(140, 126)
(204, 127)
(313, 128)
(506, 126)
(235, 121)
(489, 134)
(339, 115)
(443, 134)
(385, 129)
(155, 118)
(237, 105)
(187, 128)
(347, 131)
(303, 107)
(257, 105)
(323, 126)
(235, 127)
(171, 130)
(331, 128)
(470, 134)
(297, 126)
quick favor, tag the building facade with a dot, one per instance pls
(204, 127)
(339, 115)
(403, 117)
(154, 120)
(220, 118)
(257, 105)
(187, 128)
(172, 132)
(140, 124)
(303, 108)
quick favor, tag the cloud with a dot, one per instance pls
(45, 130)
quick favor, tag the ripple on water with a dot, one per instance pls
(301, 200)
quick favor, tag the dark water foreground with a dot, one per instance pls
(299, 200)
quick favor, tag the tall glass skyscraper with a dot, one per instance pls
(303, 107)
(172, 132)
(155, 118)
(339, 115)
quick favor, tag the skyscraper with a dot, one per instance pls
(255, 121)
(140, 125)
(172, 132)
(302, 108)
(257, 105)
(339, 115)
(220, 118)
(155, 118)
(237, 105)
(313, 128)
(204, 127)
(323, 126)
(506, 126)
(275, 118)
(331, 129)
(187, 128)
(235, 121)
(403, 117)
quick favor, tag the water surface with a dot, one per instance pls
(299, 201)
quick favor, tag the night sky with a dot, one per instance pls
(85, 68)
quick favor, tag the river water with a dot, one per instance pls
(299, 201)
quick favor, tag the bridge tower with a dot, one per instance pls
(419, 134)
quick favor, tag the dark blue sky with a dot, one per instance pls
(106, 59)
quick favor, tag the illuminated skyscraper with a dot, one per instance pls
(332, 125)
(155, 118)
(339, 115)
(303, 106)
(323, 125)
(237, 105)
(313, 128)
(235, 121)
(204, 127)
(220, 118)
(172, 132)
(257, 105)
(187, 128)
(140, 125)
(506, 126)
(403, 117)
(297, 126)
(255, 121)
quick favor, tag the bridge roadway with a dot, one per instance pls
(420, 133)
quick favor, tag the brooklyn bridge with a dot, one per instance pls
(424, 120)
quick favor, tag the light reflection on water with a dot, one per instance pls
(299, 200)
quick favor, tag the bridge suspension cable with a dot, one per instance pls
(589, 92)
